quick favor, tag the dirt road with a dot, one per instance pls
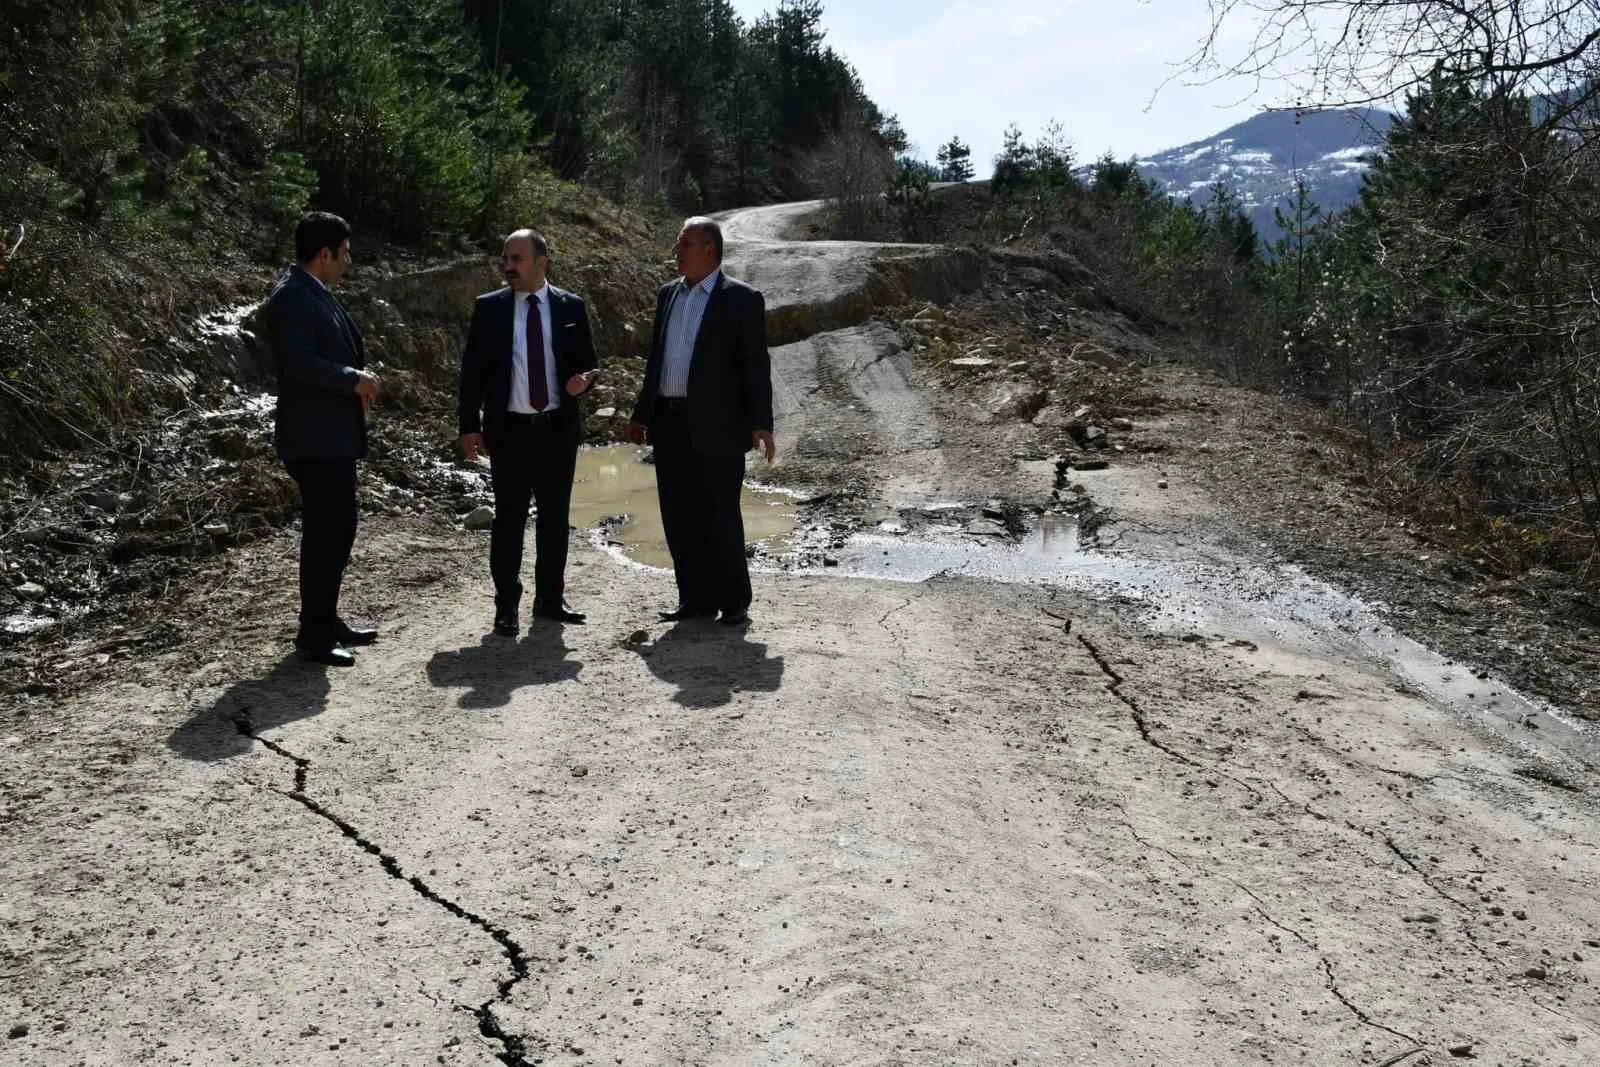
(1002, 805)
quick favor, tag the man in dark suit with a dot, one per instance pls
(529, 356)
(705, 401)
(320, 425)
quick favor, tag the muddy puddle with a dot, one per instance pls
(1210, 592)
(614, 497)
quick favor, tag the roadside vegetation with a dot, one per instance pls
(1448, 316)
(158, 152)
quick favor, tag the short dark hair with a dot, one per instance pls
(708, 226)
(541, 247)
(316, 231)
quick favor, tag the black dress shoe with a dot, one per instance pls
(327, 655)
(505, 623)
(683, 614)
(349, 636)
(735, 618)
(561, 614)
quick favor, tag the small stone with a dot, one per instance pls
(638, 637)
(1520, 914)
(479, 518)
(580, 771)
(1535, 972)
(1162, 484)
(972, 361)
(1122, 424)
(19, 1030)
(216, 529)
(1461, 1051)
(606, 413)
(1091, 465)
(638, 1002)
(30, 591)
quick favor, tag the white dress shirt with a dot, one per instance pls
(520, 401)
(684, 316)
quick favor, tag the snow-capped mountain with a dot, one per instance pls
(1260, 158)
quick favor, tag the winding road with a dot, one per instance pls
(945, 818)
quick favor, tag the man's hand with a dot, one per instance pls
(472, 444)
(579, 383)
(635, 432)
(366, 387)
(762, 439)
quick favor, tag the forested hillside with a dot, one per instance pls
(158, 150)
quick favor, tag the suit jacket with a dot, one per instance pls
(730, 373)
(486, 364)
(316, 350)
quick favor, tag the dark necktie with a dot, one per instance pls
(538, 390)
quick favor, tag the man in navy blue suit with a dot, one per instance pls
(529, 356)
(320, 426)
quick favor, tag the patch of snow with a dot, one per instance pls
(19, 625)
(1355, 152)
(229, 322)
(1190, 157)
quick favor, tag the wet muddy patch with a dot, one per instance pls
(1208, 593)
(614, 497)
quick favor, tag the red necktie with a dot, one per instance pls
(538, 390)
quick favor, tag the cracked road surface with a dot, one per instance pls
(952, 821)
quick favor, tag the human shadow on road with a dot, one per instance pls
(496, 667)
(708, 662)
(292, 689)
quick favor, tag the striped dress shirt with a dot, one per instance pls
(683, 326)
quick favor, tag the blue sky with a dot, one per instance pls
(971, 67)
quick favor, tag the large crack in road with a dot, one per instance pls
(513, 1049)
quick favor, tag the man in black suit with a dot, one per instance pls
(529, 356)
(320, 425)
(705, 401)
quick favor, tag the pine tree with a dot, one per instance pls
(955, 161)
